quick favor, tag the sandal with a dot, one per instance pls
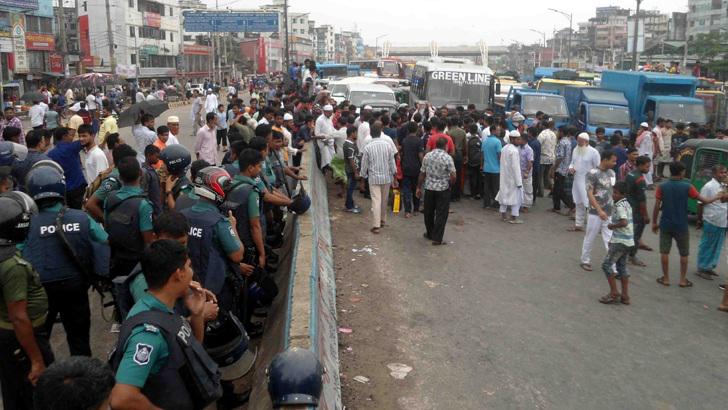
(624, 300)
(661, 281)
(610, 299)
(687, 284)
(575, 229)
(636, 262)
(587, 267)
(704, 275)
(645, 247)
(375, 230)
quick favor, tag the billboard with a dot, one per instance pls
(227, 22)
(20, 4)
(21, 54)
(56, 62)
(152, 19)
(40, 42)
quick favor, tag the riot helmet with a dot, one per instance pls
(295, 377)
(228, 345)
(176, 158)
(212, 183)
(45, 180)
(16, 208)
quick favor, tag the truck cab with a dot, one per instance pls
(532, 101)
(591, 108)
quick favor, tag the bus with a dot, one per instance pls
(452, 84)
(353, 70)
(332, 71)
(366, 67)
(385, 67)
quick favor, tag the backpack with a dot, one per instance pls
(96, 184)
(475, 154)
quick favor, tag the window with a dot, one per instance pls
(131, 4)
(150, 32)
(131, 31)
(171, 36)
(716, 4)
(170, 11)
(133, 59)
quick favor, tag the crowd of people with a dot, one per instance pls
(185, 240)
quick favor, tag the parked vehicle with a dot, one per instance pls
(453, 84)
(590, 108)
(716, 107)
(531, 101)
(558, 86)
(371, 94)
(654, 95)
(332, 71)
(699, 156)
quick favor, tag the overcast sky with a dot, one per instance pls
(417, 22)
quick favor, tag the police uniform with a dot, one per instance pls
(127, 213)
(20, 282)
(183, 193)
(150, 183)
(247, 193)
(211, 238)
(111, 183)
(64, 281)
(150, 353)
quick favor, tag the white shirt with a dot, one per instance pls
(143, 137)
(151, 97)
(362, 132)
(548, 140)
(715, 213)
(37, 114)
(139, 96)
(91, 102)
(69, 96)
(172, 140)
(211, 103)
(94, 163)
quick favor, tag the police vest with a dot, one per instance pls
(190, 379)
(46, 251)
(237, 201)
(277, 167)
(122, 225)
(208, 263)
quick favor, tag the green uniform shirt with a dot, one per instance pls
(107, 186)
(145, 207)
(188, 190)
(146, 350)
(18, 282)
(268, 172)
(223, 234)
(138, 287)
(253, 198)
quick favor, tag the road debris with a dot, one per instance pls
(361, 379)
(399, 370)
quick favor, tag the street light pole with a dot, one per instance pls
(570, 16)
(540, 53)
(376, 44)
(635, 63)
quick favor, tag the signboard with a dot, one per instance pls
(152, 19)
(640, 36)
(56, 62)
(196, 50)
(20, 4)
(83, 32)
(147, 50)
(42, 42)
(460, 77)
(21, 54)
(261, 56)
(227, 22)
(126, 70)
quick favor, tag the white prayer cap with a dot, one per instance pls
(173, 119)
(367, 107)
(583, 136)
(517, 117)
(645, 125)
(328, 107)
(514, 134)
(287, 117)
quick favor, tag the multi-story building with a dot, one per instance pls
(657, 25)
(611, 34)
(145, 36)
(325, 45)
(678, 26)
(706, 16)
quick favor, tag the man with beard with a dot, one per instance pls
(144, 134)
(511, 180)
(94, 161)
(584, 159)
(173, 125)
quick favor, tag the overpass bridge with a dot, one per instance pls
(447, 51)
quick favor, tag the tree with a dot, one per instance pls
(712, 48)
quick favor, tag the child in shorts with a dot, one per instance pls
(620, 244)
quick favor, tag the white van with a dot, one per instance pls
(377, 95)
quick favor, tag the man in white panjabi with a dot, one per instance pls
(324, 135)
(584, 159)
(645, 147)
(511, 181)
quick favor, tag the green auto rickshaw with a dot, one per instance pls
(699, 156)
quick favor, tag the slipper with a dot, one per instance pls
(575, 229)
(610, 299)
(645, 248)
(637, 262)
(438, 243)
(687, 284)
(556, 211)
(625, 301)
(661, 281)
(375, 230)
(587, 267)
(704, 275)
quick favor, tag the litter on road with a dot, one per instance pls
(399, 370)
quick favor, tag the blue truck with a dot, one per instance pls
(531, 101)
(657, 95)
(591, 108)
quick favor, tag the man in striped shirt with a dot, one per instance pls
(378, 165)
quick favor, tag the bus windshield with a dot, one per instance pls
(611, 117)
(680, 112)
(549, 104)
(366, 65)
(389, 68)
(334, 71)
(443, 92)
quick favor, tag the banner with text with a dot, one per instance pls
(21, 54)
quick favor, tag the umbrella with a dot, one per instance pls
(31, 96)
(131, 115)
(91, 80)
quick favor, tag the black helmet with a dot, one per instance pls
(9, 152)
(295, 377)
(212, 183)
(301, 202)
(228, 345)
(45, 180)
(16, 209)
(176, 158)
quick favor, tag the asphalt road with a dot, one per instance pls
(503, 317)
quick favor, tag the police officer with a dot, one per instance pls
(24, 348)
(177, 160)
(128, 218)
(295, 378)
(216, 252)
(155, 343)
(65, 246)
(95, 202)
